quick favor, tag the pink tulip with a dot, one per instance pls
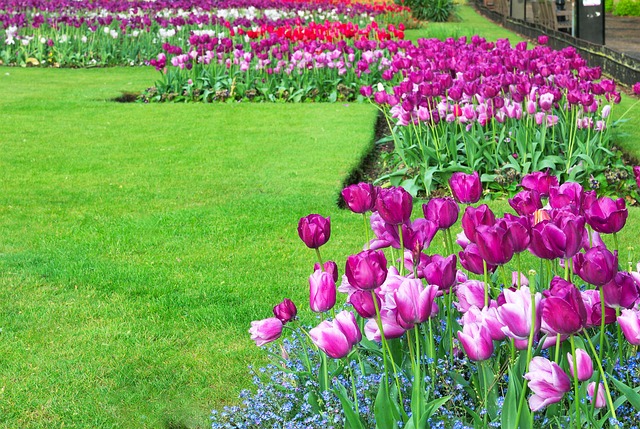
(476, 341)
(600, 400)
(441, 271)
(362, 302)
(470, 293)
(336, 338)
(390, 326)
(585, 365)
(621, 292)
(515, 313)
(547, 381)
(488, 317)
(629, 321)
(265, 331)
(322, 291)
(414, 302)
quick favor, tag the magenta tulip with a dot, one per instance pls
(362, 302)
(466, 188)
(346, 321)
(390, 326)
(597, 265)
(487, 316)
(526, 202)
(386, 234)
(476, 341)
(600, 400)
(441, 271)
(418, 235)
(473, 217)
(314, 230)
(629, 321)
(606, 215)
(519, 228)
(394, 205)
(494, 244)
(322, 291)
(330, 267)
(585, 365)
(443, 211)
(621, 292)
(568, 195)
(414, 302)
(471, 260)
(286, 311)
(367, 270)
(559, 237)
(540, 182)
(360, 198)
(564, 311)
(547, 381)
(266, 330)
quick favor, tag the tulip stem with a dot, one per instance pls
(486, 284)
(566, 269)
(319, 259)
(401, 250)
(621, 358)
(576, 400)
(519, 272)
(366, 230)
(604, 379)
(615, 243)
(353, 389)
(532, 332)
(557, 356)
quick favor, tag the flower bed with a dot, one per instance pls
(469, 338)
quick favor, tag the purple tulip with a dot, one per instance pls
(414, 302)
(564, 311)
(472, 217)
(476, 341)
(621, 292)
(606, 215)
(540, 182)
(547, 381)
(330, 267)
(629, 321)
(471, 260)
(585, 365)
(314, 230)
(362, 302)
(591, 299)
(600, 399)
(418, 235)
(470, 293)
(441, 271)
(560, 237)
(322, 291)
(636, 174)
(494, 244)
(360, 198)
(265, 331)
(336, 338)
(519, 228)
(466, 188)
(515, 312)
(443, 211)
(367, 270)
(526, 202)
(394, 205)
(286, 311)
(597, 265)
(569, 194)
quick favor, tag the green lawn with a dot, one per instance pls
(137, 241)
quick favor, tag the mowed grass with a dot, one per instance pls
(137, 242)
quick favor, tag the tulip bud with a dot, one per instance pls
(367, 270)
(314, 230)
(598, 401)
(466, 188)
(285, 311)
(394, 205)
(360, 198)
(585, 365)
(443, 211)
(476, 341)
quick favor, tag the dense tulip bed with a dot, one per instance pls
(470, 338)
(99, 33)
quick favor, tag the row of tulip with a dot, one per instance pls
(558, 334)
(127, 33)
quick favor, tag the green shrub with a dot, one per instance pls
(627, 8)
(608, 5)
(432, 10)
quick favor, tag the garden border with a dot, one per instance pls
(621, 67)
